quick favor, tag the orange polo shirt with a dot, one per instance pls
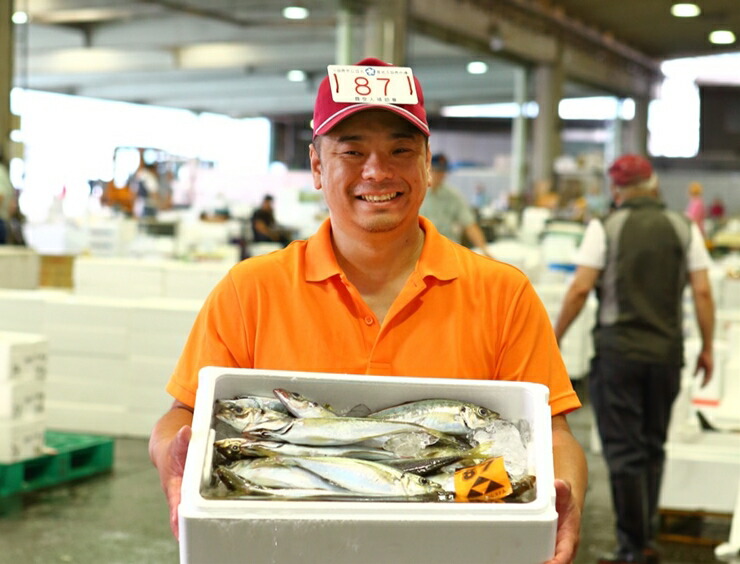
(460, 315)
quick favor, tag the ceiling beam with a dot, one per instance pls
(518, 31)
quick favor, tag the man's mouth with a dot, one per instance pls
(378, 198)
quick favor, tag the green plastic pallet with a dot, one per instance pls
(77, 456)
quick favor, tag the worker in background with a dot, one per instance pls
(638, 259)
(695, 209)
(377, 290)
(265, 227)
(447, 209)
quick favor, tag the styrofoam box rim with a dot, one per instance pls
(377, 391)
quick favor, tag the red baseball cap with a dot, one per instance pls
(630, 169)
(327, 113)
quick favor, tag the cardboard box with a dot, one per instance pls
(57, 271)
(228, 531)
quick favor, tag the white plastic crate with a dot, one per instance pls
(21, 439)
(22, 400)
(227, 531)
(23, 356)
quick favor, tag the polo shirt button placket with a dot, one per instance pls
(369, 320)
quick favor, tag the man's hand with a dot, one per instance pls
(705, 364)
(171, 474)
(569, 524)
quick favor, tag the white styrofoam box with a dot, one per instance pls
(526, 257)
(729, 297)
(82, 417)
(19, 267)
(727, 328)
(372, 532)
(87, 368)
(21, 438)
(97, 326)
(120, 277)
(192, 280)
(160, 327)
(103, 387)
(140, 425)
(22, 399)
(111, 236)
(151, 373)
(23, 310)
(715, 457)
(23, 356)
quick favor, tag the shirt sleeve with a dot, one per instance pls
(697, 256)
(592, 250)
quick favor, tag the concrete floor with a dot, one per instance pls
(121, 517)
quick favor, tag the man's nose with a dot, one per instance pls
(377, 167)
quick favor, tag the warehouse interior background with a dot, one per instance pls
(527, 98)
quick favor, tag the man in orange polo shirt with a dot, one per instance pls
(377, 290)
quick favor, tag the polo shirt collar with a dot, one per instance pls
(438, 257)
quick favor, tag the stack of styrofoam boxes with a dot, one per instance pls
(19, 268)
(182, 280)
(213, 530)
(576, 347)
(120, 277)
(23, 362)
(157, 330)
(525, 256)
(88, 365)
(24, 310)
(111, 237)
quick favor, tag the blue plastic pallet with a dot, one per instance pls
(77, 456)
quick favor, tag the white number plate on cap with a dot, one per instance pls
(372, 85)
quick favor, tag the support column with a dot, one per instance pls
(345, 53)
(614, 147)
(7, 39)
(548, 86)
(519, 135)
(635, 134)
(386, 31)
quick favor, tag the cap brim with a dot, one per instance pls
(346, 111)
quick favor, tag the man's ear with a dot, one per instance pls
(315, 160)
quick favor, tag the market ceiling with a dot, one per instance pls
(233, 56)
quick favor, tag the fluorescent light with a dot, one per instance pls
(722, 37)
(295, 13)
(477, 67)
(500, 110)
(296, 76)
(685, 10)
(19, 17)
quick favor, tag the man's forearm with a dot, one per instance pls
(568, 459)
(166, 429)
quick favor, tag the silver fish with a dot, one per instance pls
(366, 477)
(244, 418)
(300, 406)
(242, 489)
(238, 448)
(262, 402)
(453, 417)
(273, 473)
(341, 431)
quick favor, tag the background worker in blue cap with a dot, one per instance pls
(447, 209)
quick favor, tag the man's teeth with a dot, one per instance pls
(379, 198)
